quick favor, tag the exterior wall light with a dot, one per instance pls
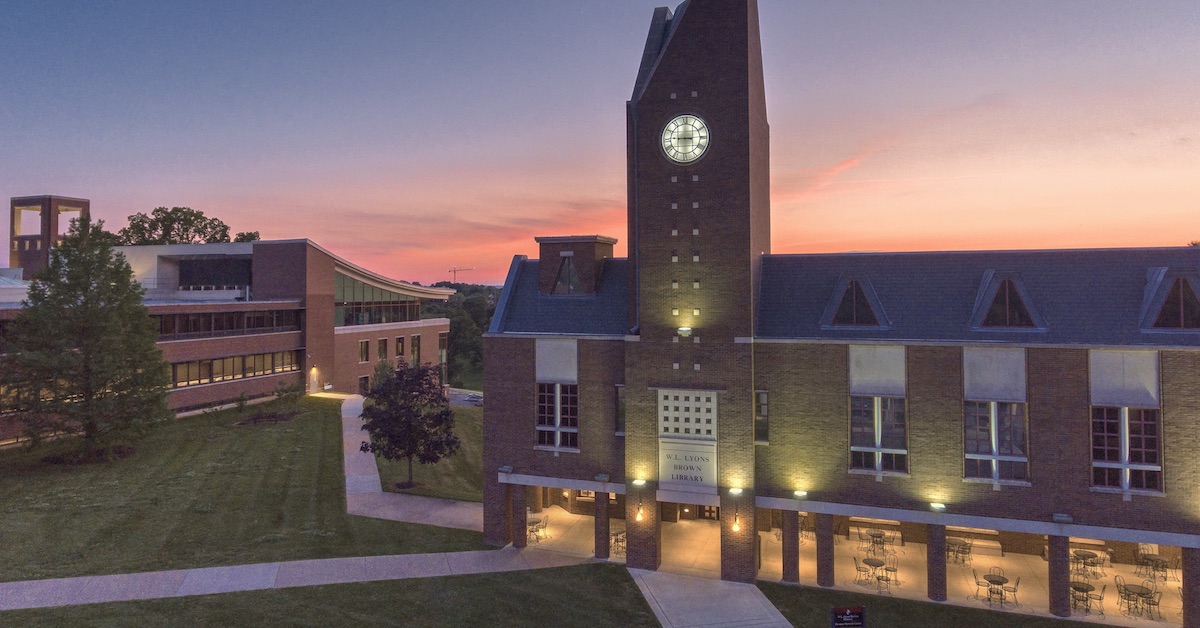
(640, 515)
(937, 506)
(685, 331)
(800, 494)
(639, 482)
(735, 491)
(737, 524)
(566, 494)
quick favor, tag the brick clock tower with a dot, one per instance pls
(699, 224)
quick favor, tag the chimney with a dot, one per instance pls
(572, 264)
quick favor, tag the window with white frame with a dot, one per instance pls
(558, 416)
(1126, 431)
(995, 420)
(995, 441)
(878, 436)
(557, 411)
(1126, 446)
(878, 422)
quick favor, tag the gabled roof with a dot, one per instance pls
(1092, 297)
(522, 309)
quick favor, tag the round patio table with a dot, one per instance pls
(953, 544)
(1157, 563)
(873, 563)
(997, 581)
(1140, 591)
(1084, 588)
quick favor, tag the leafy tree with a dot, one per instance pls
(247, 236)
(1194, 243)
(81, 354)
(178, 225)
(408, 416)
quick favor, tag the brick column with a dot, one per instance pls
(791, 546)
(1191, 586)
(517, 496)
(602, 538)
(497, 517)
(824, 528)
(1060, 575)
(739, 549)
(643, 539)
(535, 499)
(935, 562)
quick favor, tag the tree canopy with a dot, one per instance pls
(408, 416)
(81, 357)
(178, 225)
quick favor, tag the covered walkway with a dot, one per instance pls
(1032, 598)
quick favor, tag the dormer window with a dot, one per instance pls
(568, 280)
(1008, 309)
(1181, 309)
(854, 308)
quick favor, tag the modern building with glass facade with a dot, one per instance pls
(1037, 402)
(241, 318)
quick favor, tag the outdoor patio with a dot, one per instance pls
(692, 547)
(1033, 597)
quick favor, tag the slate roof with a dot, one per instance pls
(1091, 297)
(522, 309)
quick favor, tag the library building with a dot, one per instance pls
(1014, 430)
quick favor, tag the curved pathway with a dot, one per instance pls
(676, 600)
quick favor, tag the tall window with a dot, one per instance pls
(558, 416)
(1126, 448)
(399, 350)
(382, 344)
(415, 347)
(995, 441)
(878, 437)
(761, 422)
(364, 351)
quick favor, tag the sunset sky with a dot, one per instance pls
(412, 136)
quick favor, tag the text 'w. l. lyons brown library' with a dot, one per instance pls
(712, 408)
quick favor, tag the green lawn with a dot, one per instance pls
(809, 606)
(459, 477)
(594, 595)
(201, 491)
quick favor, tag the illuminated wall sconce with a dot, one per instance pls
(566, 494)
(640, 515)
(737, 524)
(685, 332)
(639, 482)
(800, 494)
(937, 506)
(735, 491)
(687, 510)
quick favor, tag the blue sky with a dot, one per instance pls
(415, 136)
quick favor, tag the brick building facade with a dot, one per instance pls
(241, 318)
(1038, 395)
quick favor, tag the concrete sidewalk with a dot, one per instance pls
(300, 573)
(680, 601)
(364, 492)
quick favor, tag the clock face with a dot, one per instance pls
(684, 139)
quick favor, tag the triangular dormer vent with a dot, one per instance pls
(1008, 308)
(567, 281)
(1181, 310)
(855, 309)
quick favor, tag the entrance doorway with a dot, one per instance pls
(691, 540)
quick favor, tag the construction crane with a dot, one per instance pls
(454, 271)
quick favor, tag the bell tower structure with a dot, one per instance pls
(699, 224)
